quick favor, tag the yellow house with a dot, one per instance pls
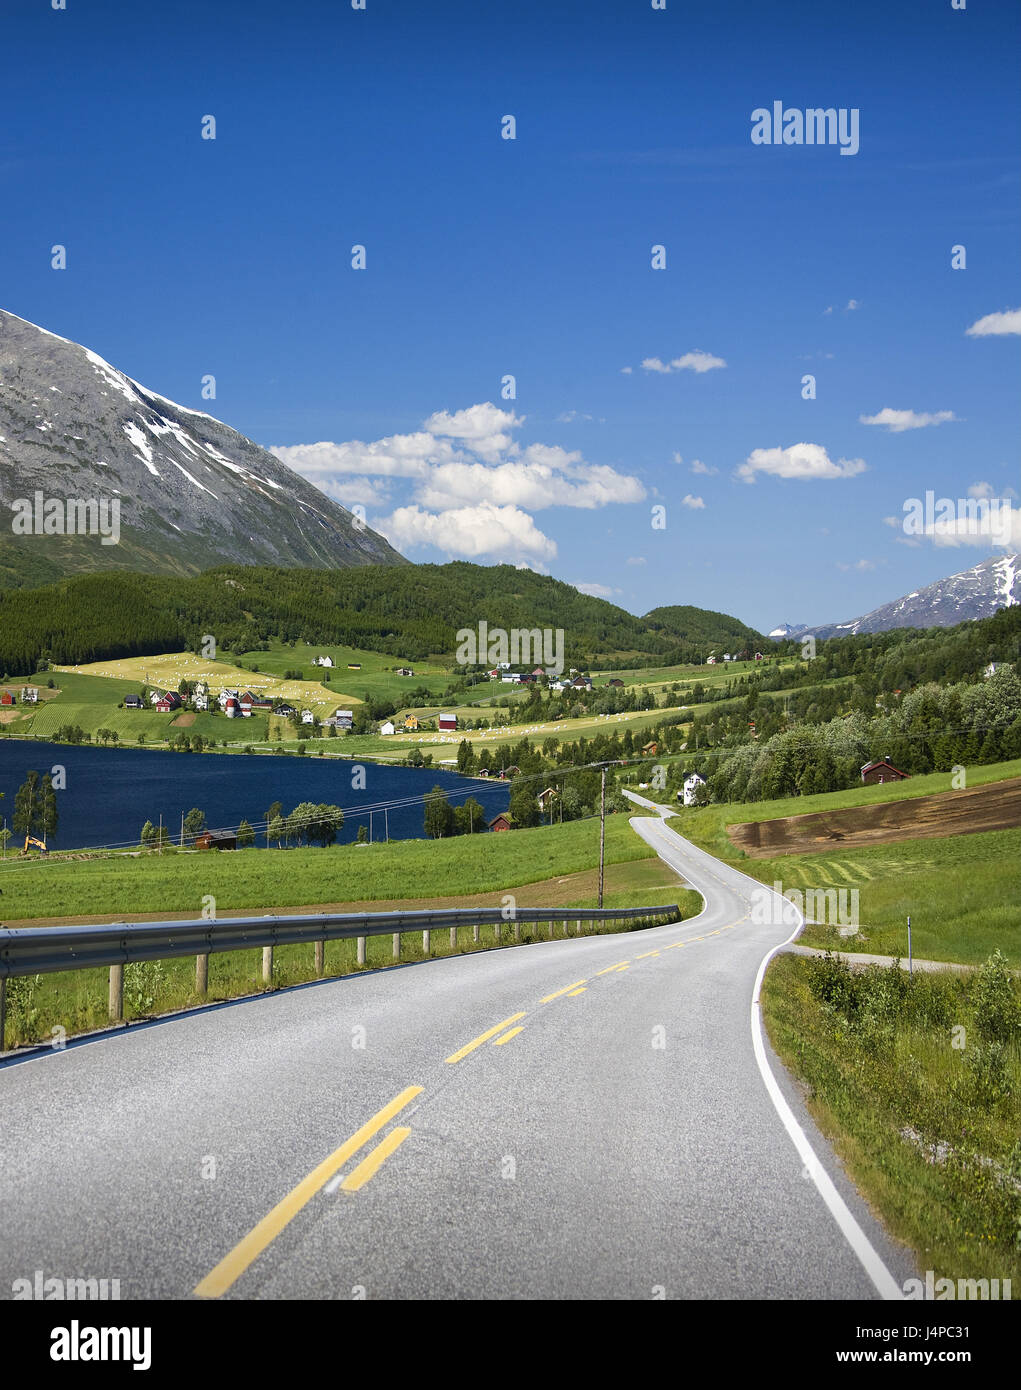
(411, 722)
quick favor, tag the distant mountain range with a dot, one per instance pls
(192, 492)
(974, 593)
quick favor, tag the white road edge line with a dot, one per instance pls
(868, 1257)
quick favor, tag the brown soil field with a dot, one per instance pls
(993, 807)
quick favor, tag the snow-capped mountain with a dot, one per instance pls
(192, 492)
(785, 630)
(974, 593)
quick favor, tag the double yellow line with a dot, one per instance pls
(232, 1266)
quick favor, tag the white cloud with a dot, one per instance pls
(626, 371)
(596, 590)
(398, 456)
(369, 492)
(569, 416)
(466, 533)
(484, 428)
(858, 565)
(828, 309)
(996, 325)
(851, 304)
(981, 490)
(677, 457)
(545, 476)
(897, 421)
(635, 560)
(697, 361)
(802, 461)
(697, 466)
(694, 503)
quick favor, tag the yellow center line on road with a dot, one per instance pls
(483, 1037)
(645, 955)
(372, 1162)
(499, 1042)
(611, 967)
(557, 993)
(577, 991)
(233, 1265)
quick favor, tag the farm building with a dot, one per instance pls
(168, 702)
(405, 671)
(29, 695)
(133, 702)
(387, 728)
(7, 698)
(308, 716)
(285, 711)
(200, 700)
(882, 770)
(411, 721)
(501, 822)
(231, 708)
(322, 661)
(650, 749)
(216, 839)
(344, 718)
(547, 797)
(447, 722)
(616, 683)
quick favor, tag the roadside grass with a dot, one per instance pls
(927, 1129)
(176, 882)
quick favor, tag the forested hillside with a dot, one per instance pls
(407, 611)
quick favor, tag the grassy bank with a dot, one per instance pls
(917, 1083)
(176, 882)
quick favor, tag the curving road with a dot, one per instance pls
(620, 1136)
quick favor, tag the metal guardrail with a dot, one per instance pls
(43, 950)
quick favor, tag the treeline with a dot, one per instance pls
(933, 729)
(410, 611)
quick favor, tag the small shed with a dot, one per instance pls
(216, 839)
(882, 770)
(501, 822)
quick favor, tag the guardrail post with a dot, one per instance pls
(517, 930)
(201, 976)
(475, 932)
(115, 1004)
(551, 928)
(397, 945)
(427, 942)
(3, 1009)
(320, 959)
(361, 950)
(267, 965)
(453, 938)
(565, 926)
(497, 931)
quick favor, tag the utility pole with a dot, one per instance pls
(602, 828)
(182, 830)
(370, 827)
(386, 822)
(159, 842)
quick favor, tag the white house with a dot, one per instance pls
(29, 695)
(226, 695)
(993, 667)
(307, 716)
(322, 661)
(387, 728)
(344, 718)
(200, 700)
(691, 784)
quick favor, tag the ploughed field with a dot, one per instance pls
(996, 806)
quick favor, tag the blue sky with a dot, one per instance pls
(531, 257)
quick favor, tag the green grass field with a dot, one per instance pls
(176, 883)
(376, 679)
(917, 1083)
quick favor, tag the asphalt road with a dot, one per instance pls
(623, 1144)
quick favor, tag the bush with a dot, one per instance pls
(993, 1001)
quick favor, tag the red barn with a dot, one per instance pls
(881, 771)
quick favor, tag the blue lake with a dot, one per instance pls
(111, 793)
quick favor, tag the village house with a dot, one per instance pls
(387, 728)
(882, 770)
(322, 661)
(411, 721)
(710, 661)
(285, 711)
(226, 695)
(307, 716)
(501, 822)
(245, 700)
(231, 708)
(447, 723)
(168, 702)
(690, 785)
(7, 698)
(344, 718)
(199, 699)
(616, 683)
(510, 677)
(405, 671)
(650, 749)
(156, 694)
(547, 797)
(133, 702)
(29, 695)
